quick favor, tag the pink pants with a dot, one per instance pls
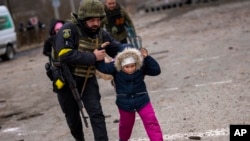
(150, 122)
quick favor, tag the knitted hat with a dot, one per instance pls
(126, 61)
(58, 26)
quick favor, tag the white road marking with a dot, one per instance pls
(14, 129)
(167, 89)
(176, 63)
(182, 136)
(166, 108)
(199, 60)
(206, 59)
(211, 58)
(196, 85)
(214, 83)
(31, 133)
(19, 132)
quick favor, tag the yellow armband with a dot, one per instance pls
(64, 51)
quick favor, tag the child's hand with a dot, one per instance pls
(103, 46)
(144, 52)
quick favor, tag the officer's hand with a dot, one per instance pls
(99, 54)
(144, 52)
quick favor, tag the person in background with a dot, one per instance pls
(55, 25)
(41, 31)
(21, 33)
(31, 33)
(117, 20)
(128, 70)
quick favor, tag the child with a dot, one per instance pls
(128, 70)
(55, 26)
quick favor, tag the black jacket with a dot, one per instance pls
(75, 57)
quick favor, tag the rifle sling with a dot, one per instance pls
(88, 71)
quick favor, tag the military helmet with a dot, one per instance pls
(90, 9)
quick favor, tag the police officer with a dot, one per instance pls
(76, 44)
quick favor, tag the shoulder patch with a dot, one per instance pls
(66, 33)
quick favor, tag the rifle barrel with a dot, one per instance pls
(72, 85)
(84, 119)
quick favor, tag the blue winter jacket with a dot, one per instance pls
(130, 88)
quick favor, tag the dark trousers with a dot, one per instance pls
(91, 100)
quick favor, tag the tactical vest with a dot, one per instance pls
(87, 44)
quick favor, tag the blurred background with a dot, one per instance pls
(32, 18)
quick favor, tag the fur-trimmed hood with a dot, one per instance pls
(126, 53)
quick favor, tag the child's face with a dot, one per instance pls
(129, 68)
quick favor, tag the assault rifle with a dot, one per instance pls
(72, 84)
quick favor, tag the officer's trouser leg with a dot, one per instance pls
(91, 99)
(71, 111)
